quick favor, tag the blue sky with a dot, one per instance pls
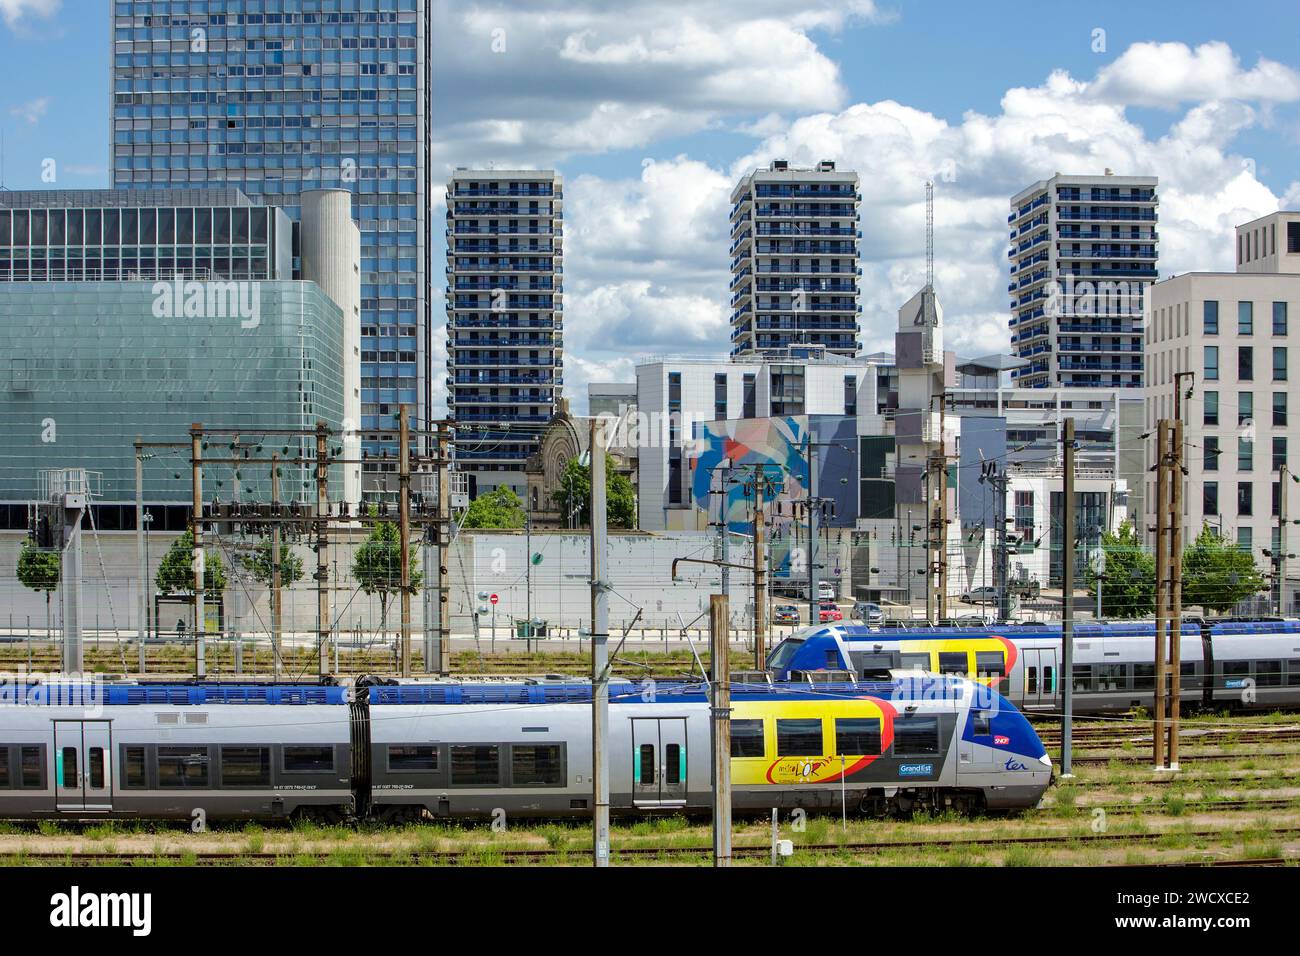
(652, 110)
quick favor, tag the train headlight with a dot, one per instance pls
(1045, 760)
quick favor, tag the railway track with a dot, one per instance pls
(487, 853)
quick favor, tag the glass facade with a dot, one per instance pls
(279, 96)
(110, 243)
(89, 366)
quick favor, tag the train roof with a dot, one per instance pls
(924, 687)
(77, 694)
(863, 632)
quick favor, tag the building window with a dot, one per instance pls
(1279, 318)
(1211, 408)
(1210, 317)
(1277, 501)
(1279, 453)
(720, 396)
(750, 398)
(1279, 409)
(1245, 318)
(1211, 458)
(787, 391)
(1245, 364)
(850, 395)
(1245, 454)
(1210, 498)
(1025, 513)
(1244, 537)
(1245, 499)
(1245, 407)
(1279, 364)
(1211, 363)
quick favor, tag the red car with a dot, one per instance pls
(829, 611)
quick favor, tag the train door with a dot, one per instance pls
(976, 754)
(659, 762)
(1041, 677)
(83, 775)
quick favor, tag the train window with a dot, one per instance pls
(245, 766)
(1144, 676)
(1293, 673)
(833, 659)
(536, 766)
(952, 662)
(1112, 677)
(747, 738)
(33, 768)
(1235, 671)
(857, 735)
(646, 764)
(308, 760)
(1187, 675)
(1049, 681)
(475, 765)
(133, 775)
(69, 773)
(95, 758)
(798, 738)
(182, 767)
(672, 763)
(411, 758)
(4, 768)
(916, 736)
(982, 723)
(1268, 673)
(916, 662)
(1083, 678)
(1031, 680)
(990, 663)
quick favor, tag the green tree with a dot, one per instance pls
(574, 496)
(377, 567)
(496, 509)
(1217, 575)
(39, 570)
(176, 571)
(259, 564)
(1128, 588)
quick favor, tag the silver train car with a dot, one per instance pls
(400, 752)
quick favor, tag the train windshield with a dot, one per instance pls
(781, 655)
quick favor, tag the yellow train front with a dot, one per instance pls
(910, 743)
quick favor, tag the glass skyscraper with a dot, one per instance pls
(279, 96)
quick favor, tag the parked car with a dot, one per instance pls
(826, 591)
(982, 595)
(868, 613)
(829, 611)
(785, 614)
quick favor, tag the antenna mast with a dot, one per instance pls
(929, 236)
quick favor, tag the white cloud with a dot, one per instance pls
(33, 110)
(652, 274)
(583, 76)
(1169, 74)
(12, 11)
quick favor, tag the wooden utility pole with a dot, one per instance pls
(599, 653)
(404, 531)
(941, 544)
(277, 652)
(444, 542)
(1066, 673)
(196, 484)
(142, 564)
(1162, 579)
(760, 573)
(1283, 476)
(322, 549)
(720, 712)
(1175, 589)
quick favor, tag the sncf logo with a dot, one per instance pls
(1001, 740)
